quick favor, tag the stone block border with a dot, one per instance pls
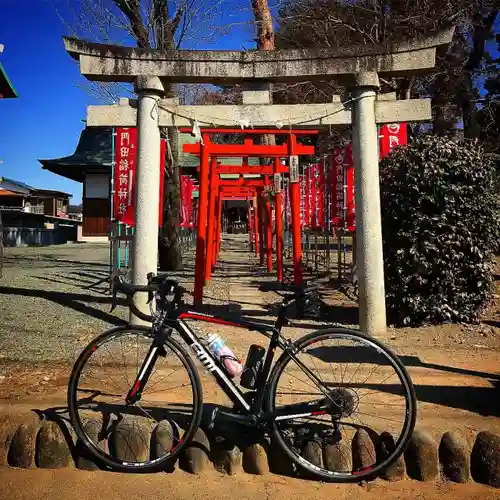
(34, 441)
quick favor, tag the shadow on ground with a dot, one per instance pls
(76, 301)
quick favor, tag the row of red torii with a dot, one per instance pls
(213, 190)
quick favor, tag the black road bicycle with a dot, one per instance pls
(135, 397)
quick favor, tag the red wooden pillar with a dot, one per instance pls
(261, 227)
(211, 219)
(199, 279)
(216, 230)
(219, 224)
(295, 209)
(307, 199)
(268, 228)
(278, 200)
(256, 224)
(250, 224)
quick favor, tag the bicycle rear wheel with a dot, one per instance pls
(149, 433)
(345, 405)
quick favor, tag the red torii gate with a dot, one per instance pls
(209, 152)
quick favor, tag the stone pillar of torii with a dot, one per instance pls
(358, 70)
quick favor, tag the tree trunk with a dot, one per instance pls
(169, 248)
(169, 251)
(265, 41)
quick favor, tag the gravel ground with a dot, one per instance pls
(50, 306)
(51, 303)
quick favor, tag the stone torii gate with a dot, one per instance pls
(358, 70)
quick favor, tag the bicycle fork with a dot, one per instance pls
(157, 349)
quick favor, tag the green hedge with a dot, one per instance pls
(441, 222)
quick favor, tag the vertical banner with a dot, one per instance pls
(338, 160)
(303, 217)
(189, 202)
(163, 152)
(390, 136)
(320, 166)
(125, 174)
(186, 194)
(314, 198)
(307, 206)
(350, 215)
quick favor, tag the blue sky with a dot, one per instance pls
(46, 120)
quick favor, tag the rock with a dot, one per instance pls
(385, 446)
(279, 462)
(129, 441)
(7, 431)
(255, 459)
(363, 450)
(163, 438)
(454, 457)
(337, 457)
(84, 459)
(228, 459)
(195, 458)
(52, 450)
(485, 459)
(421, 457)
(22, 447)
(313, 453)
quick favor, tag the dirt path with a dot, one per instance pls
(63, 484)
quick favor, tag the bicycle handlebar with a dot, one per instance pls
(160, 285)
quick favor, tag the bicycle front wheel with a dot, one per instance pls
(151, 432)
(344, 405)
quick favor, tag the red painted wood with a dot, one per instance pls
(256, 224)
(278, 217)
(219, 226)
(296, 233)
(243, 182)
(249, 169)
(202, 225)
(248, 149)
(269, 229)
(213, 188)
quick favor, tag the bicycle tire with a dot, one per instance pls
(411, 400)
(103, 458)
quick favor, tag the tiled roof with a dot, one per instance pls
(94, 152)
(7, 90)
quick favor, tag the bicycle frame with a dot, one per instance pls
(209, 362)
(254, 411)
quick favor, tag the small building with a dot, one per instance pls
(16, 195)
(91, 165)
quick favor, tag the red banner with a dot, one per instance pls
(350, 216)
(321, 195)
(186, 196)
(125, 173)
(338, 162)
(390, 136)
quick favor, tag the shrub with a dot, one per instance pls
(441, 222)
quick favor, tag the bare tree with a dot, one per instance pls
(335, 23)
(158, 24)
